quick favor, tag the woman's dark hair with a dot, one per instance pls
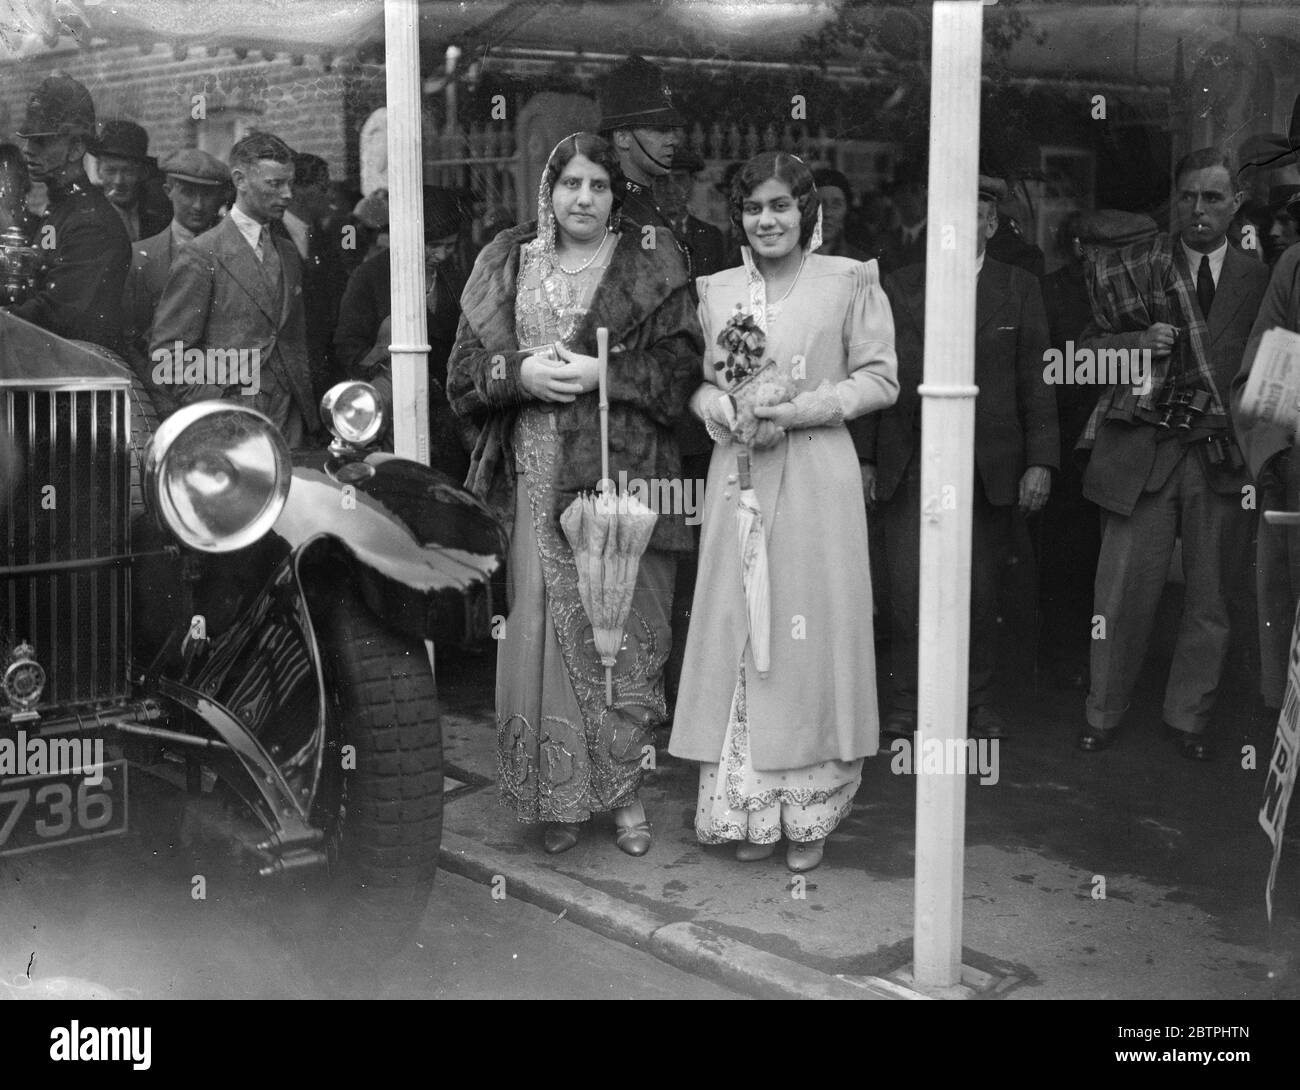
(784, 168)
(597, 149)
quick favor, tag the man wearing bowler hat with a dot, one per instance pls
(122, 158)
(638, 118)
(85, 247)
(198, 184)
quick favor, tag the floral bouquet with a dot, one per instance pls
(751, 380)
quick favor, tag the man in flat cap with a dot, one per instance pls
(198, 185)
(125, 166)
(639, 119)
(1071, 524)
(79, 290)
(1269, 452)
(1016, 448)
(363, 334)
(238, 287)
(1164, 459)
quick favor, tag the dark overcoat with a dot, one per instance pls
(86, 254)
(1015, 411)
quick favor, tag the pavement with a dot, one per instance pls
(1132, 873)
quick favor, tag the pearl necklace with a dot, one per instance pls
(586, 264)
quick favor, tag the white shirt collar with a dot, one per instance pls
(181, 233)
(1216, 259)
(979, 262)
(911, 234)
(248, 227)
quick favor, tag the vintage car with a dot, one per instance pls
(250, 621)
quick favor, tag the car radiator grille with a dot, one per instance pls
(69, 511)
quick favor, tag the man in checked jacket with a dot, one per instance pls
(1165, 462)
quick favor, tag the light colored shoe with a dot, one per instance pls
(804, 855)
(632, 837)
(749, 852)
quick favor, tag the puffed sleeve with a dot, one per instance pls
(869, 346)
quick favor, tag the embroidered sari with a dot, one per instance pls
(562, 755)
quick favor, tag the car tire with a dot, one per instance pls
(380, 801)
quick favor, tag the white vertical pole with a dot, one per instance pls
(410, 344)
(947, 475)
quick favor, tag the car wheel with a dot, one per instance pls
(380, 800)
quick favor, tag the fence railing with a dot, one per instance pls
(481, 158)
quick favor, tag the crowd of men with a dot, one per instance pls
(251, 252)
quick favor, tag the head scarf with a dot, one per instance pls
(543, 246)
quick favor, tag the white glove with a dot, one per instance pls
(717, 410)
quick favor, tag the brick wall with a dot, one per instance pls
(311, 109)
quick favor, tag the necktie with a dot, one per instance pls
(1205, 286)
(270, 258)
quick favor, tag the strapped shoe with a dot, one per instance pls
(804, 855)
(560, 836)
(634, 838)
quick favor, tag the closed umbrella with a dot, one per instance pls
(608, 534)
(753, 568)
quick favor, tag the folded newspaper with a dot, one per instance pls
(1272, 393)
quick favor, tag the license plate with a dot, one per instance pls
(49, 811)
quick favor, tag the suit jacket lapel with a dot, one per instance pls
(990, 286)
(239, 260)
(290, 277)
(1230, 293)
(160, 264)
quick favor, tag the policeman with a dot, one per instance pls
(86, 250)
(639, 119)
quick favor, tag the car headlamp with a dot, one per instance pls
(353, 413)
(218, 475)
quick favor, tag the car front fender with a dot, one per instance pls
(429, 556)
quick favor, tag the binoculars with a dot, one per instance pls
(1181, 408)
